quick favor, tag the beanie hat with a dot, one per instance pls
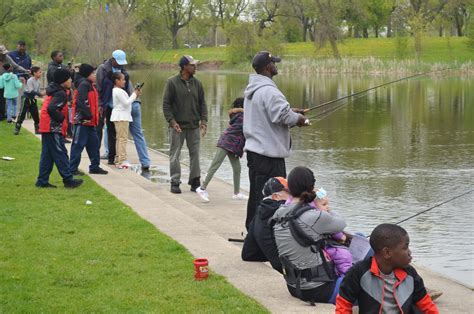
(85, 70)
(61, 75)
(274, 185)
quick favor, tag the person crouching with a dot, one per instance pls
(53, 125)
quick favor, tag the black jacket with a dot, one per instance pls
(259, 244)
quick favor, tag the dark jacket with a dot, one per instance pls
(54, 110)
(232, 139)
(52, 67)
(22, 59)
(105, 85)
(85, 104)
(259, 244)
(364, 284)
(184, 102)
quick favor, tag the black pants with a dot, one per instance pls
(29, 105)
(321, 294)
(111, 134)
(261, 168)
(53, 152)
(2, 105)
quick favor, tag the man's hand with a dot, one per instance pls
(175, 126)
(298, 110)
(203, 128)
(301, 121)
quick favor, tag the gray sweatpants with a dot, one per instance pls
(192, 137)
(217, 162)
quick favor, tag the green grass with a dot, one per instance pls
(58, 254)
(435, 49)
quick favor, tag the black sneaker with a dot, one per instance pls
(98, 171)
(47, 185)
(175, 189)
(73, 183)
(78, 173)
(17, 131)
(146, 169)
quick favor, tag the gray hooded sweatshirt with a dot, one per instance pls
(267, 118)
(317, 225)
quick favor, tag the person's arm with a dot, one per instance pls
(99, 79)
(50, 73)
(167, 103)
(16, 67)
(349, 292)
(56, 105)
(421, 298)
(123, 97)
(279, 109)
(28, 61)
(82, 102)
(329, 223)
(2, 86)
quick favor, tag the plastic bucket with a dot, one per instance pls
(201, 269)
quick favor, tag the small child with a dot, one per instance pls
(231, 144)
(385, 283)
(11, 85)
(339, 253)
(53, 125)
(32, 91)
(121, 117)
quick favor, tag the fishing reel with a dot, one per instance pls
(139, 85)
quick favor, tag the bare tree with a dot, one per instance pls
(177, 14)
(304, 11)
(265, 12)
(327, 26)
(224, 11)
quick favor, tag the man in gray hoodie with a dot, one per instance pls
(267, 122)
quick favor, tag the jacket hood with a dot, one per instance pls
(257, 81)
(53, 88)
(267, 208)
(7, 76)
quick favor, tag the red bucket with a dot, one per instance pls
(201, 269)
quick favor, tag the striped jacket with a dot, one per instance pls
(364, 284)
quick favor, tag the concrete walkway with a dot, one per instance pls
(203, 228)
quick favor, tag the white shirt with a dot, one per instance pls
(122, 103)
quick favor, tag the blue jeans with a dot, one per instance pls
(85, 136)
(11, 108)
(53, 151)
(137, 134)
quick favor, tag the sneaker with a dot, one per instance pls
(78, 173)
(98, 170)
(47, 185)
(17, 131)
(203, 194)
(240, 196)
(145, 168)
(73, 183)
(124, 165)
(175, 189)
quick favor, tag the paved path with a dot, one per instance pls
(203, 228)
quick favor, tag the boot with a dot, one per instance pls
(194, 183)
(175, 189)
(37, 129)
(17, 129)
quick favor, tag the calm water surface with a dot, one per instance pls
(381, 157)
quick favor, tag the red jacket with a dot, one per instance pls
(85, 104)
(54, 111)
(364, 284)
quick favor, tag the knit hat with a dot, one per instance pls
(61, 75)
(274, 185)
(85, 70)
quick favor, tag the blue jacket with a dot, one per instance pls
(11, 84)
(22, 59)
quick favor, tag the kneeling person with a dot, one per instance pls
(386, 282)
(53, 125)
(85, 113)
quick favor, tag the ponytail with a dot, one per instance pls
(307, 197)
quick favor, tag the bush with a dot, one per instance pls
(401, 46)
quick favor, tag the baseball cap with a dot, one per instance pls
(120, 57)
(185, 60)
(274, 185)
(3, 50)
(263, 58)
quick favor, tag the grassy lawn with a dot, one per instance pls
(58, 254)
(435, 49)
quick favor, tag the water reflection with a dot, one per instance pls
(382, 157)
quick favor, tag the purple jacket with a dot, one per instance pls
(232, 139)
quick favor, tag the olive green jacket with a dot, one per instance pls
(184, 103)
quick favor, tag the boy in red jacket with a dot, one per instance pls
(385, 283)
(53, 125)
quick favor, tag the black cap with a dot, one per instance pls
(263, 58)
(61, 75)
(85, 70)
(274, 185)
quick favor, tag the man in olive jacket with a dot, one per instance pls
(185, 110)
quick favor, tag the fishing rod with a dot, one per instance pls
(433, 207)
(372, 88)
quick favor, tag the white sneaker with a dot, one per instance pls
(124, 165)
(203, 194)
(240, 196)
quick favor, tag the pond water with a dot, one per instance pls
(382, 157)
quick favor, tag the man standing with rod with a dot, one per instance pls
(267, 122)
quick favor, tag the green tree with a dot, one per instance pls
(222, 12)
(327, 26)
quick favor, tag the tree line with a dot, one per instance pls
(88, 28)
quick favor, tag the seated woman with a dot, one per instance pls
(300, 234)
